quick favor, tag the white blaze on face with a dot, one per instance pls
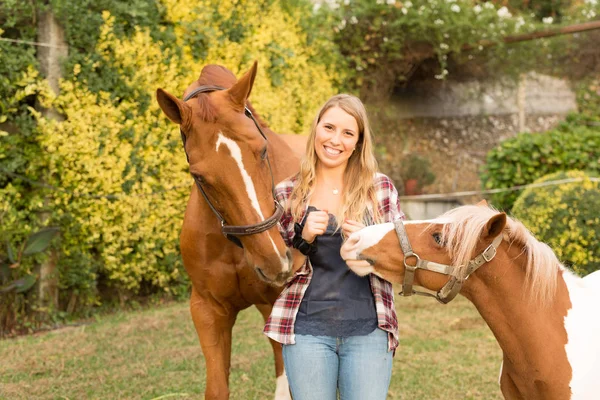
(236, 153)
(368, 237)
(372, 235)
(583, 332)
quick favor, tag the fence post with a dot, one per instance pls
(50, 32)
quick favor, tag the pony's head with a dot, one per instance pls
(228, 158)
(453, 239)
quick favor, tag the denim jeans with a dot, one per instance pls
(359, 367)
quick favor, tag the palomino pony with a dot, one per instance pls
(235, 160)
(545, 319)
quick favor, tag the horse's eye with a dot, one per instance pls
(438, 238)
(263, 153)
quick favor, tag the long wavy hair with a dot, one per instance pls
(358, 196)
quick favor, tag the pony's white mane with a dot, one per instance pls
(464, 227)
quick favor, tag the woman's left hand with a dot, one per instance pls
(349, 227)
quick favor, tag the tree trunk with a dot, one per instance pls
(50, 57)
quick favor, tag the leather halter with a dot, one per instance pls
(453, 286)
(232, 232)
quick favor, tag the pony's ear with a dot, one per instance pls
(482, 203)
(494, 226)
(242, 88)
(174, 108)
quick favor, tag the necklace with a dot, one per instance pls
(335, 191)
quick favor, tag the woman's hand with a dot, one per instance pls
(315, 224)
(349, 227)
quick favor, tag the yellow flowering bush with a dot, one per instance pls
(566, 217)
(118, 161)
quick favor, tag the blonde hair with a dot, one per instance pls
(358, 192)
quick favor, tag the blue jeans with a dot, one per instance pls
(359, 366)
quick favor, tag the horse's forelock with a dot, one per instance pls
(206, 110)
(464, 228)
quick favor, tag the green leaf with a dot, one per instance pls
(39, 241)
(4, 269)
(10, 252)
(20, 285)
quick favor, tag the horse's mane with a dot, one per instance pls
(462, 231)
(216, 75)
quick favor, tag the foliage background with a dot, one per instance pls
(111, 173)
(523, 159)
(566, 218)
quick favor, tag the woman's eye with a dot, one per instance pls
(328, 127)
(348, 133)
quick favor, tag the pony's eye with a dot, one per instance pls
(438, 238)
(263, 153)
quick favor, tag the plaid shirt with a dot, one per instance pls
(280, 325)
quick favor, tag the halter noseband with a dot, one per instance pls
(453, 286)
(232, 232)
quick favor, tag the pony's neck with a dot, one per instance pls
(532, 336)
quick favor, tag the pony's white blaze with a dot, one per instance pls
(583, 331)
(236, 154)
(282, 388)
(368, 237)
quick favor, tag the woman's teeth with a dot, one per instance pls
(331, 151)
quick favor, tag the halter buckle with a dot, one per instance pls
(491, 249)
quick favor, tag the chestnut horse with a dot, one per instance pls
(235, 160)
(544, 318)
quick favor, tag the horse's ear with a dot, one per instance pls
(482, 203)
(174, 108)
(242, 88)
(494, 226)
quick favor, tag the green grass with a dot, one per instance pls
(446, 352)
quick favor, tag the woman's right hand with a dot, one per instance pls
(315, 224)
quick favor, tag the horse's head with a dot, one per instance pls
(228, 156)
(450, 240)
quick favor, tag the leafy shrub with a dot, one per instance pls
(566, 217)
(418, 168)
(112, 174)
(17, 278)
(527, 157)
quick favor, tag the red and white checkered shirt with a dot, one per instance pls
(280, 325)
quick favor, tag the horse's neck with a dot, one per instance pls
(282, 158)
(532, 337)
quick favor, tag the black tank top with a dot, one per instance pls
(337, 302)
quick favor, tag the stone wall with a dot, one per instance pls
(455, 131)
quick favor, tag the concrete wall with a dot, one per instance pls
(543, 95)
(455, 124)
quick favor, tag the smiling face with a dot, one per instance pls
(337, 135)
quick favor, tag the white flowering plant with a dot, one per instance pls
(383, 40)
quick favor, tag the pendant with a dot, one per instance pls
(335, 191)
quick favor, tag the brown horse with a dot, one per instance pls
(544, 318)
(235, 160)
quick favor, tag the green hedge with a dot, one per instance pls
(566, 217)
(527, 157)
(112, 174)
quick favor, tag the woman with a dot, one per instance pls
(338, 330)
